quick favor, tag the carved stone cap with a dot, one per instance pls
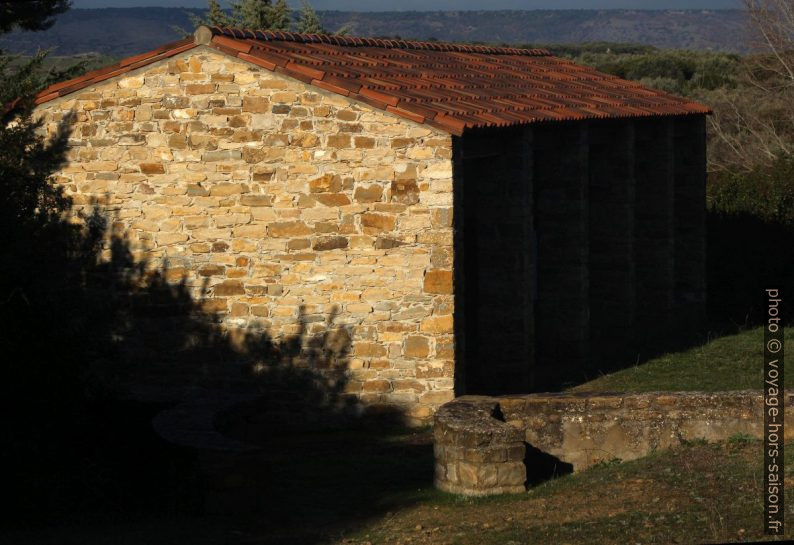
(203, 35)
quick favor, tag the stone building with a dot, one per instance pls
(483, 219)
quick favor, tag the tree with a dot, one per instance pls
(75, 307)
(261, 15)
(215, 16)
(250, 14)
(773, 26)
(280, 16)
(31, 15)
(253, 14)
(753, 124)
(309, 21)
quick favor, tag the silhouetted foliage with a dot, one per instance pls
(84, 326)
(30, 15)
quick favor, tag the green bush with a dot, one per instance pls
(679, 72)
(765, 193)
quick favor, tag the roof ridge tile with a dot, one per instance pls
(360, 41)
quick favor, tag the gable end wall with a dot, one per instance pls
(280, 195)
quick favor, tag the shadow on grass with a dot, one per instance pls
(746, 256)
(542, 466)
(325, 484)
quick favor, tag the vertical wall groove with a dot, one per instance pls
(690, 228)
(612, 234)
(530, 251)
(561, 155)
(654, 227)
(496, 265)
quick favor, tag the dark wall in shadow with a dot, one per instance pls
(578, 250)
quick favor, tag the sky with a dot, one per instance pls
(430, 5)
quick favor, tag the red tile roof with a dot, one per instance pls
(449, 86)
(96, 76)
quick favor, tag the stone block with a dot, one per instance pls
(416, 347)
(438, 281)
(200, 88)
(376, 223)
(511, 474)
(229, 287)
(368, 193)
(221, 155)
(405, 192)
(256, 200)
(330, 243)
(288, 229)
(468, 474)
(256, 104)
(151, 168)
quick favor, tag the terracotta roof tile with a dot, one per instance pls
(96, 76)
(448, 86)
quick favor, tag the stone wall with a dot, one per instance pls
(265, 195)
(477, 437)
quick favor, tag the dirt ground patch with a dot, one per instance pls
(368, 488)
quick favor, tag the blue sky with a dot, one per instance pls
(379, 5)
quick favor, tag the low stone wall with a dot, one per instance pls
(481, 441)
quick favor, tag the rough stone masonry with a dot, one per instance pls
(276, 195)
(482, 443)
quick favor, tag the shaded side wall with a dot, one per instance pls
(494, 245)
(265, 195)
(582, 248)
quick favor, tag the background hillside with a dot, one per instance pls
(122, 32)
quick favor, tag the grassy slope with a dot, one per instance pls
(694, 494)
(732, 362)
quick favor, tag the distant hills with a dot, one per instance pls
(123, 32)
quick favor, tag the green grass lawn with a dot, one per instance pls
(732, 362)
(696, 493)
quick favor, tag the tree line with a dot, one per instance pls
(262, 15)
